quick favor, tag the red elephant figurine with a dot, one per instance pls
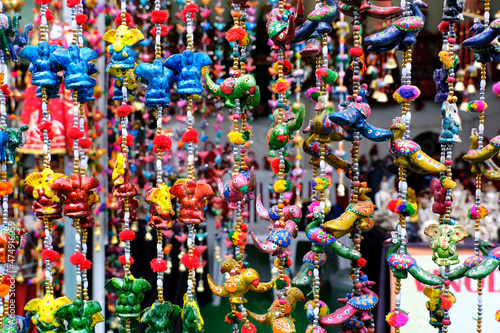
(193, 199)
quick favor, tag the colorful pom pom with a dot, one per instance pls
(122, 260)
(159, 265)
(49, 15)
(397, 319)
(4, 290)
(84, 143)
(76, 258)
(233, 318)
(356, 51)
(72, 3)
(190, 9)
(86, 264)
(448, 59)
(446, 301)
(313, 94)
(361, 262)
(281, 86)
(163, 142)
(281, 186)
(159, 16)
(129, 142)
(45, 126)
(191, 261)
(42, 2)
(287, 66)
(477, 213)
(444, 26)
(190, 135)
(235, 34)
(248, 328)
(497, 315)
(123, 111)
(236, 138)
(326, 75)
(406, 94)
(5, 188)
(51, 255)
(164, 30)
(81, 19)
(321, 183)
(127, 235)
(477, 106)
(74, 133)
(128, 20)
(496, 88)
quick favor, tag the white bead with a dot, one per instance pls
(189, 241)
(82, 122)
(78, 278)
(316, 311)
(480, 298)
(85, 284)
(158, 164)
(124, 6)
(73, 24)
(77, 238)
(477, 234)
(325, 50)
(159, 283)
(5, 206)
(408, 116)
(127, 256)
(486, 16)
(159, 122)
(277, 314)
(190, 283)
(442, 159)
(483, 84)
(481, 128)
(190, 30)
(403, 232)
(48, 274)
(478, 192)
(398, 297)
(316, 272)
(43, 21)
(159, 248)
(322, 164)
(126, 216)
(190, 158)
(84, 247)
(322, 206)
(124, 91)
(4, 167)
(158, 39)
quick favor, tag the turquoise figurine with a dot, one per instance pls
(16, 138)
(159, 80)
(451, 123)
(188, 65)
(401, 34)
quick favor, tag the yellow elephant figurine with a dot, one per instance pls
(43, 311)
(121, 50)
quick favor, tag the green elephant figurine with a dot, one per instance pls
(444, 242)
(160, 317)
(235, 87)
(81, 316)
(16, 138)
(130, 292)
(281, 133)
(192, 321)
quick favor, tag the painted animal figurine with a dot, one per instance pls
(437, 304)
(279, 135)
(10, 36)
(360, 212)
(444, 242)
(321, 131)
(486, 267)
(401, 34)
(367, 9)
(188, 66)
(484, 43)
(233, 87)
(43, 70)
(159, 80)
(16, 138)
(160, 317)
(12, 239)
(453, 10)
(241, 280)
(403, 263)
(192, 321)
(80, 195)
(305, 277)
(440, 77)
(451, 123)
(130, 293)
(484, 154)
(440, 204)
(47, 204)
(238, 188)
(42, 312)
(282, 323)
(409, 153)
(281, 26)
(124, 189)
(458, 272)
(161, 208)
(353, 118)
(323, 310)
(354, 305)
(319, 21)
(121, 49)
(118, 85)
(192, 197)
(487, 168)
(16, 324)
(81, 316)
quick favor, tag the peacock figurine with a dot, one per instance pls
(409, 153)
(487, 168)
(366, 9)
(401, 34)
(484, 42)
(458, 272)
(480, 155)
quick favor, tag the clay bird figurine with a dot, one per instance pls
(359, 306)
(401, 34)
(238, 188)
(485, 268)
(233, 87)
(402, 263)
(159, 80)
(484, 154)
(409, 153)
(353, 118)
(192, 321)
(321, 131)
(281, 25)
(319, 21)
(458, 272)
(485, 50)
(362, 212)
(281, 324)
(367, 9)
(188, 66)
(239, 282)
(487, 168)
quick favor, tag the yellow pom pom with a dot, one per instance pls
(280, 186)
(236, 138)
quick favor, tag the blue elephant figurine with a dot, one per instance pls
(452, 124)
(484, 43)
(159, 79)
(440, 78)
(10, 35)
(401, 34)
(188, 65)
(43, 69)
(353, 118)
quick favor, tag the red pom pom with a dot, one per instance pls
(356, 52)
(191, 261)
(42, 2)
(190, 136)
(393, 205)
(444, 26)
(159, 265)
(122, 260)
(81, 19)
(49, 15)
(86, 264)
(159, 16)
(248, 328)
(446, 302)
(130, 140)
(281, 86)
(74, 133)
(84, 143)
(163, 33)
(235, 34)
(72, 3)
(127, 235)
(361, 262)
(275, 165)
(50, 254)
(128, 19)
(196, 252)
(163, 142)
(123, 111)
(45, 126)
(50, 135)
(77, 258)
(190, 9)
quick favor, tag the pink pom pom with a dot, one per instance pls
(496, 88)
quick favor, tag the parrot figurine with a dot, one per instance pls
(238, 187)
